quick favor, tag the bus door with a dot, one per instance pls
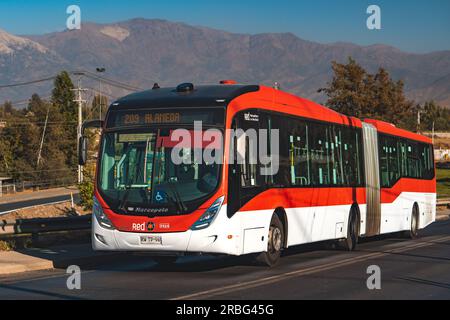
(244, 179)
(372, 172)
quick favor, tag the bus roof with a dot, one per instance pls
(201, 96)
(283, 102)
(389, 128)
(223, 94)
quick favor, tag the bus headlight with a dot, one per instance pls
(101, 217)
(208, 217)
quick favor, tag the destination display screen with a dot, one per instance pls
(145, 117)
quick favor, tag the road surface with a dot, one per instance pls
(410, 269)
(22, 204)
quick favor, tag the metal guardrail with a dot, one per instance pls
(40, 226)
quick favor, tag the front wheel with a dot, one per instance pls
(275, 244)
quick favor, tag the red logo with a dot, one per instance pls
(150, 226)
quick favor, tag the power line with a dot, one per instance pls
(27, 101)
(103, 93)
(113, 82)
(88, 74)
(26, 83)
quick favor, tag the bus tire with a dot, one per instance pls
(413, 233)
(351, 241)
(275, 244)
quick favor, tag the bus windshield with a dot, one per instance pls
(140, 175)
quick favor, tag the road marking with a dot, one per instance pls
(302, 272)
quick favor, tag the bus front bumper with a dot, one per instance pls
(202, 241)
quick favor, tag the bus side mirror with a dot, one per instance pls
(82, 151)
(82, 142)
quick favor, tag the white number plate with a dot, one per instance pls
(151, 240)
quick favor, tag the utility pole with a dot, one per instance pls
(433, 132)
(42, 139)
(419, 114)
(79, 100)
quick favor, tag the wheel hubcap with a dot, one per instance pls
(414, 224)
(275, 240)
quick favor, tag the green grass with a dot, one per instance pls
(443, 183)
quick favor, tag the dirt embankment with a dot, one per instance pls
(46, 211)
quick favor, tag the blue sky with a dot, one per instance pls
(411, 25)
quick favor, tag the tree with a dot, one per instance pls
(349, 91)
(8, 107)
(433, 114)
(63, 100)
(52, 166)
(6, 159)
(21, 136)
(389, 102)
(63, 96)
(355, 92)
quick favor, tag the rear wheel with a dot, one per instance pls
(351, 241)
(413, 233)
(275, 244)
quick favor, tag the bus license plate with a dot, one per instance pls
(151, 240)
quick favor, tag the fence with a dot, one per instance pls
(47, 225)
(21, 186)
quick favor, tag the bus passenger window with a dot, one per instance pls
(336, 165)
(320, 154)
(299, 154)
(247, 147)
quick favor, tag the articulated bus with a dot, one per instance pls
(336, 177)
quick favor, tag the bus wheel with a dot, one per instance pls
(351, 241)
(413, 233)
(275, 244)
(165, 261)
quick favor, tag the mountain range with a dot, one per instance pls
(140, 52)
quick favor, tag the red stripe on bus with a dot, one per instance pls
(407, 185)
(304, 198)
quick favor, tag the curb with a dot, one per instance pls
(15, 268)
(45, 264)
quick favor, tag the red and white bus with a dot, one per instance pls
(338, 178)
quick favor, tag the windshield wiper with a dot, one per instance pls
(124, 200)
(180, 204)
(175, 203)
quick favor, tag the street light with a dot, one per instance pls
(101, 70)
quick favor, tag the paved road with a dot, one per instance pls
(410, 269)
(8, 207)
